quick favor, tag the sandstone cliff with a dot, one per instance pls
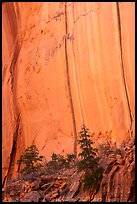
(64, 64)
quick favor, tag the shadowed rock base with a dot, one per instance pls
(118, 183)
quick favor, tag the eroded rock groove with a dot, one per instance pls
(69, 88)
(122, 65)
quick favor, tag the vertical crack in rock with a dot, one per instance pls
(122, 64)
(68, 83)
(76, 73)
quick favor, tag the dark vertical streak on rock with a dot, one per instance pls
(13, 63)
(13, 29)
(13, 153)
(122, 64)
(11, 19)
(68, 83)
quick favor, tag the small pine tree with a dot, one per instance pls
(31, 159)
(89, 160)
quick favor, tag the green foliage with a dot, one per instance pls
(88, 154)
(30, 176)
(57, 162)
(31, 159)
(70, 157)
(94, 179)
(105, 149)
(70, 160)
(118, 151)
(54, 157)
(61, 161)
(89, 160)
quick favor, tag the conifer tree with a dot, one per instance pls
(31, 159)
(89, 160)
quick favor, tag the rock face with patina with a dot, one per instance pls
(65, 63)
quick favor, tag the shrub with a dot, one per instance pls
(93, 179)
(105, 149)
(70, 157)
(118, 151)
(61, 161)
(31, 159)
(30, 176)
(57, 162)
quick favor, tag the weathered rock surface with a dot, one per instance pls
(118, 184)
(33, 196)
(64, 63)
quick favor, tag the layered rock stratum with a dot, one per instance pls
(65, 63)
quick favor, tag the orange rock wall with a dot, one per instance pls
(64, 64)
